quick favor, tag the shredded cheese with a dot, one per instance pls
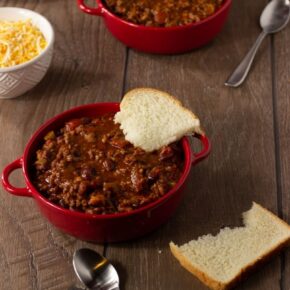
(20, 41)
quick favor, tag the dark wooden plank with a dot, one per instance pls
(85, 69)
(241, 168)
(282, 104)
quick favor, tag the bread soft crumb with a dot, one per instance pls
(151, 119)
(220, 260)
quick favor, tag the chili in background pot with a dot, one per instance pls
(163, 13)
(162, 40)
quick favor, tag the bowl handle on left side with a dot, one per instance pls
(206, 147)
(21, 191)
(90, 10)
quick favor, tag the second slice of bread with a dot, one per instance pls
(220, 261)
(151, 119)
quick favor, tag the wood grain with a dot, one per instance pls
(247, 127)
(85, 69)
(241, 168)
(282, 113)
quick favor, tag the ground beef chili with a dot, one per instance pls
(163, 13)
(88, 166)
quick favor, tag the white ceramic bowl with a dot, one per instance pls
(17, 80)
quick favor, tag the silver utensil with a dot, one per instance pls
(95, 271)
(274, 18)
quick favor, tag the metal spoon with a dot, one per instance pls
(95, 271)
(274, 18)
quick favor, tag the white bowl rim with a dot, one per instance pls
(35, 59)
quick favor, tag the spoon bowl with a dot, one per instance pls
(94, 270)
(274, 18)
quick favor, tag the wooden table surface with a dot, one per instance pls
(249, 128)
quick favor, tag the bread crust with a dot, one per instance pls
(276, 218)
(218, 285)
(202, 276)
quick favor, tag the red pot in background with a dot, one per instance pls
(165, 40)
(92, 227)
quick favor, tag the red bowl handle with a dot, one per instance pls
(92, 11)
(21, 191)
(206, 147)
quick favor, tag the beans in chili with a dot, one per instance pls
(88, 166)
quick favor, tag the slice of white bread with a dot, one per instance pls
(151, 119)
(221, 261)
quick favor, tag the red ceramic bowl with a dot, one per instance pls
(92, 227)
(165, 40)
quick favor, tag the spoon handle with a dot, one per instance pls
(241, 72)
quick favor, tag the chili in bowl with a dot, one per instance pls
(91, 183)
(88, 166)
(163, 26)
